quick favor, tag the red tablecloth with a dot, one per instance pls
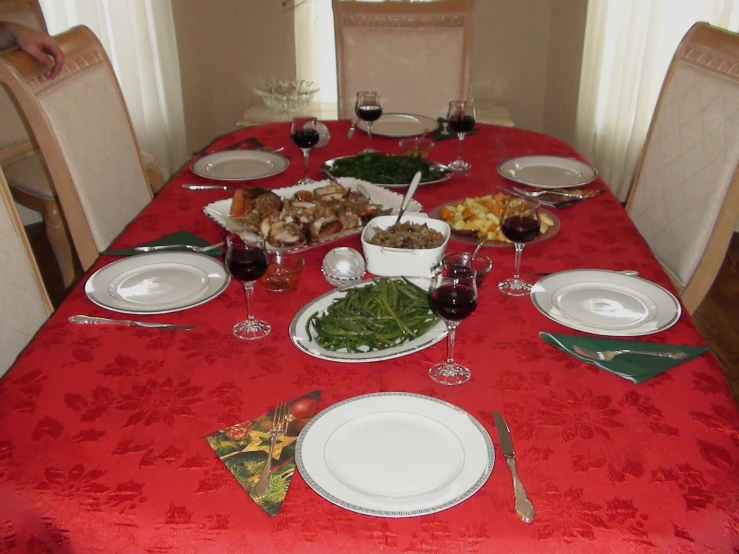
(101, 429)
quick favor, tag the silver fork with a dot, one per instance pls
(279, 426)
(171, 246)
(608, 355)
(537, 194)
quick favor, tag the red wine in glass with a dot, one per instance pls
(305, 138)
(453, 302)
(461, 123)
(519, 228)
(520, 224)
(248, 264)
(305, 135)
(460, 119)
(368, 108)
(453, 296)
(369, 113)
(246, 261)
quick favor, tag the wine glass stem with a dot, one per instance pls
(517, 260)
(451, 335)
(369, 135)
(306, 153)
(461, 142)
(249, 291)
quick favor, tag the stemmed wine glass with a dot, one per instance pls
(246, 261)
(520, 224)
(461, 120)
(453, 296)
(369, 109)
(304, 132)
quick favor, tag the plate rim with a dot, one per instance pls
(482, 479)
(209, 259)
(328, 164)
(361, 125)
(611, 332)
(552, 157)
(378, 356)
(414, 207)
(472, 239)
(237, 153)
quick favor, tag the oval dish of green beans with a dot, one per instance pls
(375, 317)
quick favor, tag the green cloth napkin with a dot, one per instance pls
(438, 135)
(250, 143)
(179, 237)
(633, 367)
(243, 447)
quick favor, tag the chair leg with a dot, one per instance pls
(154, 176)
(59, 239)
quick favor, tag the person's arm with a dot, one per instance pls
(40, 45)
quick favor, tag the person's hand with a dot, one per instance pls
(41, 46)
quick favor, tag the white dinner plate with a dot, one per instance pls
(399, 125)
(329, 164)
(548, 172)
(157, 283)
(239, 165)
(299, 331)
(605, 303)
(394, 454)
(219, 210)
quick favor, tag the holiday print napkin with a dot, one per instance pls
(243, 450)
(178, 237)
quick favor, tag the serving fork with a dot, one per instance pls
(608, 355)
(279, 427)
(172, 246)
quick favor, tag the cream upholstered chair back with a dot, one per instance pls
(13, 134)
(415, 54)
(84, 132)
(685, 195)
(24, 304)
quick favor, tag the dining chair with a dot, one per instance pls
(83, 130)
(415, 54)
(24, 304)
(685, 194)
(24, 167)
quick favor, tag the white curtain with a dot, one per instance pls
(315, 51)
(139, 37)
(628, 47)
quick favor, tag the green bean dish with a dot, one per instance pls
(376, 167)
(387, 313)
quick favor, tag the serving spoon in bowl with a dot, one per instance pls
(408, 195)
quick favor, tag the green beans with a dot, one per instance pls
(386, 313)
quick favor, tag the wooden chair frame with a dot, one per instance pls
(716, 50)
(24, 76)
(388, 14)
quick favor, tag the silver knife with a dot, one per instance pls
(211, 187)
(90, 320)
(524, 507)
(350, 134)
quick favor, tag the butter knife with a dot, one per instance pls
(524, 507)
(90, 320)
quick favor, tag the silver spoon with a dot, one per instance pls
(409, 195)
(476, 251)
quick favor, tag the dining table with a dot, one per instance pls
(102, 428)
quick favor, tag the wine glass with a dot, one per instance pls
(246, 261)
(305, 135)
(369, 109)
(453, 296)
(461, 120)
(520, 224)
